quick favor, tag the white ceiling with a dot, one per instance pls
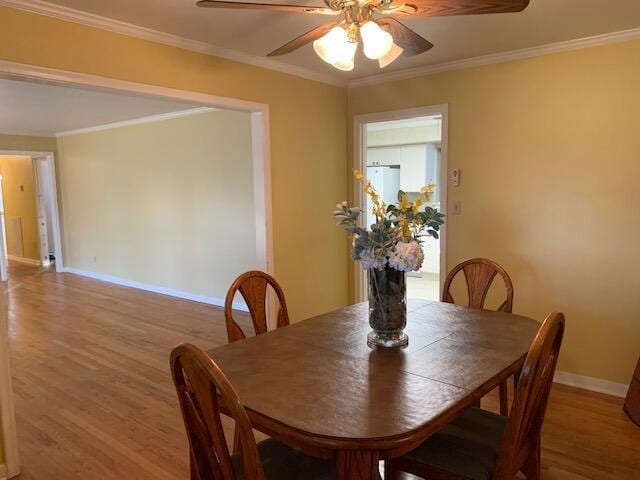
(455, 38)
(40, 109)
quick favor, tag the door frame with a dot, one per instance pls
(261, 153)
(55, 219)
(359, 156)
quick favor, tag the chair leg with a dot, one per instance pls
(504, 399)
(389, 473)
(531, 468)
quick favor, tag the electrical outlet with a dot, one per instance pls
(456, 207)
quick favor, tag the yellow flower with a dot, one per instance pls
(404, 203)
(358, 174)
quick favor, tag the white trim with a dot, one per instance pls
(262, 200)
(25, 260)
(138, 121)
(218, 302)
(67, 78)
(55, 221)
(123, 28)
(360, 139)
(567, 46)
(593, 384)
(7, 413)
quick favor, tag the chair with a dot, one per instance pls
(202, 388)
(479, 274)
(480, 445)
(253, 288)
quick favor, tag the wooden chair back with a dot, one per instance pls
(253, 288)
(479, 274)
(201, 386)
(520, 443)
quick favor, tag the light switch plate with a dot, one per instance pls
(455, 177)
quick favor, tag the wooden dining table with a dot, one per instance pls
(317, 386)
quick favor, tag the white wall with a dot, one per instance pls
(168, 204)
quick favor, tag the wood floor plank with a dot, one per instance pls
(94, 397)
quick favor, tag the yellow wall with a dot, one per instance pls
(549, 150)
(17, 172)
(167, 203)
(308, 136)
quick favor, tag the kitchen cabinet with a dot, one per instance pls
(383, 156)
(418, 163)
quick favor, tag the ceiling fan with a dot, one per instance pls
(384, 38)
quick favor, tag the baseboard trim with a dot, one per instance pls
(218, 302)
(28, 261)
(591, 383)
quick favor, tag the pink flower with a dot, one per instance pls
(406, 256)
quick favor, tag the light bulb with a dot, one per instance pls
(377, 42)
(394, 53)
(330, 46)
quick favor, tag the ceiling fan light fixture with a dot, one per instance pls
(346, 65)
(377, 42)
(390, 57)
(335, 46)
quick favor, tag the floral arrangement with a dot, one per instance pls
(394, 240)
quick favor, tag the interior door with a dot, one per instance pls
(41, 204)
(4, 275)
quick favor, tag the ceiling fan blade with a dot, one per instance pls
(303, 39)
(267, 6)
(434, 8)
(410, 41)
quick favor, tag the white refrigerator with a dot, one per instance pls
(386, 181)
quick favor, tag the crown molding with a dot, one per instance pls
(138, 121)
(123, 28)
(594, 41)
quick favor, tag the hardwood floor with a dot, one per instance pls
(94, 397)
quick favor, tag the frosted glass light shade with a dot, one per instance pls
(346, 65)
(377, 42)
(393, 54)
(331, 46)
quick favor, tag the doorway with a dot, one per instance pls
(257, 232)
(30, 230)
(403, 151)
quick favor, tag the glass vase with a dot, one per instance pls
(387, 308)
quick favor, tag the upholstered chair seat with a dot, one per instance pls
(467, 448)
(281, 462)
